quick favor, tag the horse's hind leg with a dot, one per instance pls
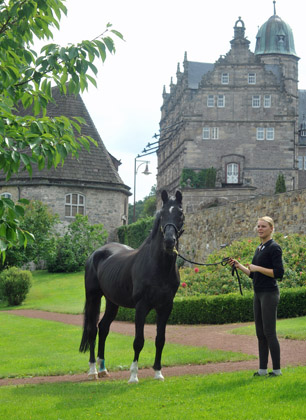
(162, 318)
(110, 314)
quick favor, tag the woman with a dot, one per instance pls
(266, 267)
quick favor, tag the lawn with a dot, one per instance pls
(35, 347)
(55, 292)
(224, 396)
(292, 328)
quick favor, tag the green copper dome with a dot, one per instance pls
(275, 37)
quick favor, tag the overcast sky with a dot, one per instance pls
(126, 106)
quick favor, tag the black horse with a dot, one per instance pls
(146, 278)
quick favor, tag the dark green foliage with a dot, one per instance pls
(38, 220)
(223, 309)
(15, 285)
(280, 186)
(205, 178)
(134, 234)
(71, 251)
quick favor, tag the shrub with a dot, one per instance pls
(223, 309)
(215, 280)
(133, 235)
(15, 285)
(71, 250)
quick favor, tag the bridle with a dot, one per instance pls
(178, 232)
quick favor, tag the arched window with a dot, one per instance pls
(74, 204)
(6, 195)
(232, 173)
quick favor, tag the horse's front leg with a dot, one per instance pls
(161, 323)
(140, 316)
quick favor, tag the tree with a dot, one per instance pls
(25, 79)
(280, 186)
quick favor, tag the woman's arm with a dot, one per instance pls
(266, 271)
(241, 267)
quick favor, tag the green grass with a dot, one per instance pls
(34, 347)
(292, 328)
(55, 292)
(229, 396)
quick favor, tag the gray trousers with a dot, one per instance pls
(265, 313)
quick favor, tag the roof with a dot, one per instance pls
(275, 37)
(94, 167)
(196, 71)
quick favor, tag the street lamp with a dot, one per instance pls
(145, 172)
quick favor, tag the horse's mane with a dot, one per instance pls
(153, 231)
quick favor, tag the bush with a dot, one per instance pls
(216, 280)
(71, 250)
(133, 235)
(15, 285)
(223, 309)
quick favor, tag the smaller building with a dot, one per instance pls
(89, 185)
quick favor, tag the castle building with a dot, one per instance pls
(88, 185)
(242, 118)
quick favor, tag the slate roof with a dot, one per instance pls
(196, 71)
(96, 167)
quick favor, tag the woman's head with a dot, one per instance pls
(265, 228)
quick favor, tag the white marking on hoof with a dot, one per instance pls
(134, 370)
(92, 373)
(158, 376)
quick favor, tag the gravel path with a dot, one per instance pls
(293, 352)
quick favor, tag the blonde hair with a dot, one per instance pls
(268, 220)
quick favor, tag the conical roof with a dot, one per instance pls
(275, 37)
(95, 167)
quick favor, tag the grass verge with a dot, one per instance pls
(228, 396)
(291, 328)
(34, 347)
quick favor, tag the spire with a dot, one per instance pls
(274, 2)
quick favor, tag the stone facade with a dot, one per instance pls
(207, 229)
(239, 115)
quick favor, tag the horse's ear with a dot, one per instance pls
(179, 197)
(164, 196)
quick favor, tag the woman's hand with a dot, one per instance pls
(236, 264)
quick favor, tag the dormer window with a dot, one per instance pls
(281, 39)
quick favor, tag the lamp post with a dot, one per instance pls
(145, 172)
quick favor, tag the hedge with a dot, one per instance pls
(223, 309)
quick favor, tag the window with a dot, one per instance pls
(270, 133)
(215, 133)
(206, 133)
(210, 100)
(225, 78)
(267, 101)
(74, 204)
(252, 78)
(232, 173)
(220, 101)
(6, 195)
(260, 133)
(255, 101)
(300, 163)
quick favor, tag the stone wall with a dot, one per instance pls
(209, 228)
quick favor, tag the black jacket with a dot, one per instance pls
(268, 255)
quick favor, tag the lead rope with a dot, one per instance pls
(223, 262)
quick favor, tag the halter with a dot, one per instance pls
(178, 233)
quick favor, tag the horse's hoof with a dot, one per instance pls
(103, 374)
(158, 376)
(133, 380)
(92, 376)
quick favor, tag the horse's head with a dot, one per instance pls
(171, 220)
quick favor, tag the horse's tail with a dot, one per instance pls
(91, 309)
